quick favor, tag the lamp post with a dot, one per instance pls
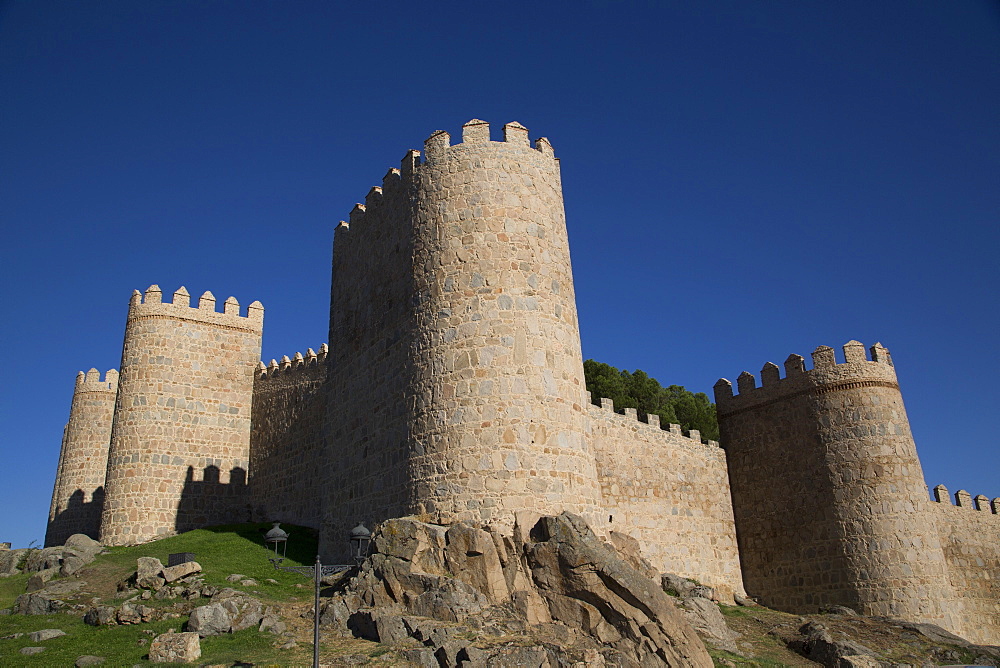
(360, 539)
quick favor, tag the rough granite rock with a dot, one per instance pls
(147, 573)
(436, 584)
(102, 615)
(10, 559)
(570, 561)
(36, 604)
(28, 651)
(46, 634)
(707, 619)
(89, 660)
(174, 573)
(819, 646)
(271, 622)
(175, 648)
(37, 580)
(210, 620)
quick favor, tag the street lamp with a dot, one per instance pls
(277, 537)
(360, 538)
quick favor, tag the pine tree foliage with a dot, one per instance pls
(674, 404)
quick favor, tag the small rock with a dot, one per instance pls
(175, 648)
(89, 660)
(839, 610)
(32, 650)
(249, 582)
(101, 615)
(291, 645)
(46, 634)
(675, 585)
(744, 601)
(210, 620)
(271, 581)
(173, 573)
(235, 577)
(147, 572)
(271, 622)
(38, 580)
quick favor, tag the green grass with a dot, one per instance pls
(220, 551)
(223, 550)
(719, 654)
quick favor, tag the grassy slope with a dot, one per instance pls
(220, 551)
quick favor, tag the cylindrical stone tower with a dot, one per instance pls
(499, 407)
(181, 436)
(829, 498)
(78, 494)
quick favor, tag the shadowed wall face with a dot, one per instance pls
(78, 494)
(828, 493)
(183, 405)
(286, 440)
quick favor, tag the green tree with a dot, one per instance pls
(637, 390)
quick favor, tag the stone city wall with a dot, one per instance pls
(181, 437)
(670, 492)
(828, 493)
(286, 439)
(372, 336)
(78, 495)
(970, 537)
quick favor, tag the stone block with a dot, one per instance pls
(175, 648)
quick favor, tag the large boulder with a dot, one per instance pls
(570, 561)
(36, 603)
(440, 585)
(39, 560)
(175, 648)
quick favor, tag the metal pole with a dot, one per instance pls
(318, 569)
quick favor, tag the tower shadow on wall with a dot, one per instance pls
(210, 501)
(78, 516)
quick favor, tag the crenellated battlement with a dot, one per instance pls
(857, 370)
(151, 305)
(476, 133)
(298, 363)
(652, 421)
(980, 502)
(92, 382)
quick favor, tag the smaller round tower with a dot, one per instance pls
(829, 498)
(78, 493)
(181, 437)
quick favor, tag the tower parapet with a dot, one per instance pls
(78, 494)
(182, 421)
(828, 492)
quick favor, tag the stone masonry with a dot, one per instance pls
(182, 417)
(453, 390)
(78, 495)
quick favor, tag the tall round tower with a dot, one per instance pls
(829, 498)
(181, 436)
(78, 494)
(499, 408)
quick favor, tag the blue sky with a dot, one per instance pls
(742, 181)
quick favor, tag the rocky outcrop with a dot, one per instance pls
(577, 597)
